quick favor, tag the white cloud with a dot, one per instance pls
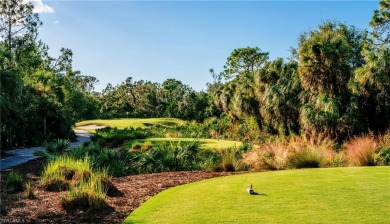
(56, 22)
(39, 6)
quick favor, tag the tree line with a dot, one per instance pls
(41, 96)
(335, 83)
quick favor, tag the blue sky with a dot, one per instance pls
(113, 40)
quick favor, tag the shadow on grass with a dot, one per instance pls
(257, 194)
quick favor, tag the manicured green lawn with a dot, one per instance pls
(204, 143)
(132, 122)
(333, 195)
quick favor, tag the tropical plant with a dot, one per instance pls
(373, 87)
(171, 156)
(325, 69)
(277, 88)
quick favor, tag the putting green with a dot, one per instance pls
(333, 195)
(131, 122)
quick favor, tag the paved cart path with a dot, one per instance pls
(19, 156)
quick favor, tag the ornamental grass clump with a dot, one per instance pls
(60, 172)
(230, 160)
(89, 194)
(87, 188)
(361, 151)
(295, 152)
(103, 177)
(268, 157)
(310, 152)
(30, 192)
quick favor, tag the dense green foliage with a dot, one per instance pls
(358, 195)
(41, 96)
(146, 99)
(335, 84)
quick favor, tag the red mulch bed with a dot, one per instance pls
(16, 208)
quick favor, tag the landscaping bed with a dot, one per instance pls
(133, 190)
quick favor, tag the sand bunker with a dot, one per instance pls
(91, 127)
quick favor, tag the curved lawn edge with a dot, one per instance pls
(331, 195)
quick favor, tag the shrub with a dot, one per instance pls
(14, 181)
(54, 148)
(172, 156)
(118, 162)
(57, 146)
(141, 146)
(383, 157)
(360, 151)
(384, 140)
(87, 149)
(89, 194)
(339, 160)
(114, 161)
(245, 147)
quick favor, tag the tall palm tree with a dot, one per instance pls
(325, 70)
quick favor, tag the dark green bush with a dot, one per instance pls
(14, 182)
(54, 148)
(171, 157)
(116, 162)
(57, 146)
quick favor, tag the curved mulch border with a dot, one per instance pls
(134, 190)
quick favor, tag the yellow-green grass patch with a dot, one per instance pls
(208, 144)
(130, 122)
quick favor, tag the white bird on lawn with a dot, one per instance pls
(250, 190)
